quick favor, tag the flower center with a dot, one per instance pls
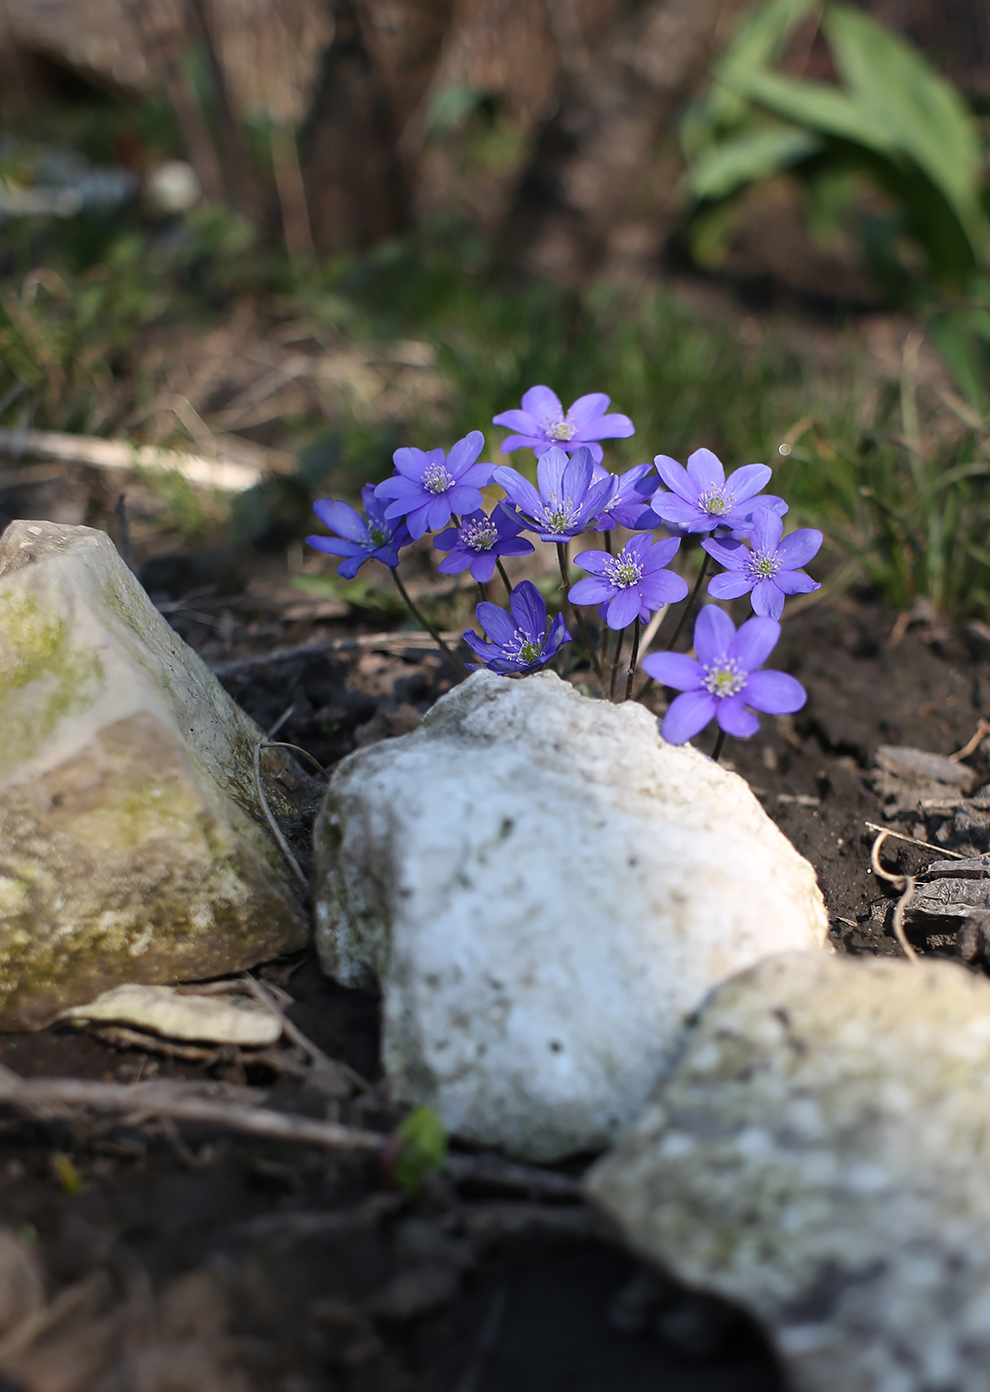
(479, 536)
(524, 646)
(763, 565)
(724, 677)
(436, 479)
(623, 571)
(716, 500)
(557, 514)
(560, 429)
(377, 536)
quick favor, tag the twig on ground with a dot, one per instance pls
(913, 840)
(982, 729)
(341, 1076)
(364, 642)
(338, 1222)
(276, 830)
(223, 474)
(44, 1097)
(907, 885)
(493, 1172)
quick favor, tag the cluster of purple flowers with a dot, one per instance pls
(574, 494)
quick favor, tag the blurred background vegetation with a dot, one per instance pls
(292, 234)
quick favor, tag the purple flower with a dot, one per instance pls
(542, 423)
(769, 570)
(429, 486)
(479, 541)
(359, 539)
(631, 584)
(702, 498)
(519, 642)
(568, 497)
(631, 505)
(723, 682)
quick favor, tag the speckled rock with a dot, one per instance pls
(543, 888)
(132, 845)
(818, 1154)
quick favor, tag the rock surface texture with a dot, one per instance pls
(543, 889)
(818, 1154)
(132, 846)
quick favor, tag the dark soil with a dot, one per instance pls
(417, 1294)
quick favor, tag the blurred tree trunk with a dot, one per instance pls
(376, 71)
(585, 204)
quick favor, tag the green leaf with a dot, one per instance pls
(825, 109)
(424, 1148)
(762, 36)
(755, 154)
(922, 114)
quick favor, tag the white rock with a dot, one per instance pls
(543, 889)
(818, 1155)
(132, 843)
(215, 1019)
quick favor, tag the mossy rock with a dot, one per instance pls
(133, 846)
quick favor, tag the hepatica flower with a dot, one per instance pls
(429, 486)
(567, 499)
(768, 569)
(359, 539)
(479, 542)
(702, 498)
(631, 584)
(630, 507)
(543, 422)
(723, 682)
(520, 640)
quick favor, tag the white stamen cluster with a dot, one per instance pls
(716, 500)
(524, 647)
(763, 565)
(436, 479)
(623, 570)
(558, 514)
(724, 677)
(479, 536)
(561, 429)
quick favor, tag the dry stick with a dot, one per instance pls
(433, 632)
(578, 616)
(364, 642)
(927, 845)
(906, 883)
(982, 728)
(631, 677)
(276, 830)
(295, 1035)
(45, 1096)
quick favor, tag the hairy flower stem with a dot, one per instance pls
(691, 600)
(718, 745)
(578, 616)
(633, 659)
(505, 579)
(420, 618)
(481, 592)
(608, 542)
(615, 662)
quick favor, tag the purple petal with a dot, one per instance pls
(768, 528)
(734, 718)
(678, 670)
(540, 402)
(754, 643)
(477, 475)
(462, 498)
(559, 634)
(624, 608)
(519, 489)
(659, 554)
(337, 546)
(550, 471)
(749, 480)
(590, 591)
(731, 554)
(402, 490)
(662, 587)
(688, 714)
(578, 477)
(514, 442)
(681, 513)
(705, 469)
(411, 462)
(513, 546)
(349, 568)
(517, 420)
(774, 692)
(676, 477)
(418, 520)
(797, 549)
(729, 585)
(482, 566)
(477, 644)
(463, 454)
(454, 564)
(613, 427)
(595, 450)
(767, 599)
(592, 561)
(796, 582)
(529, 609)
(446, 541)
(341, 518)
(588, 410)
(496, 622)
(714, 631)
